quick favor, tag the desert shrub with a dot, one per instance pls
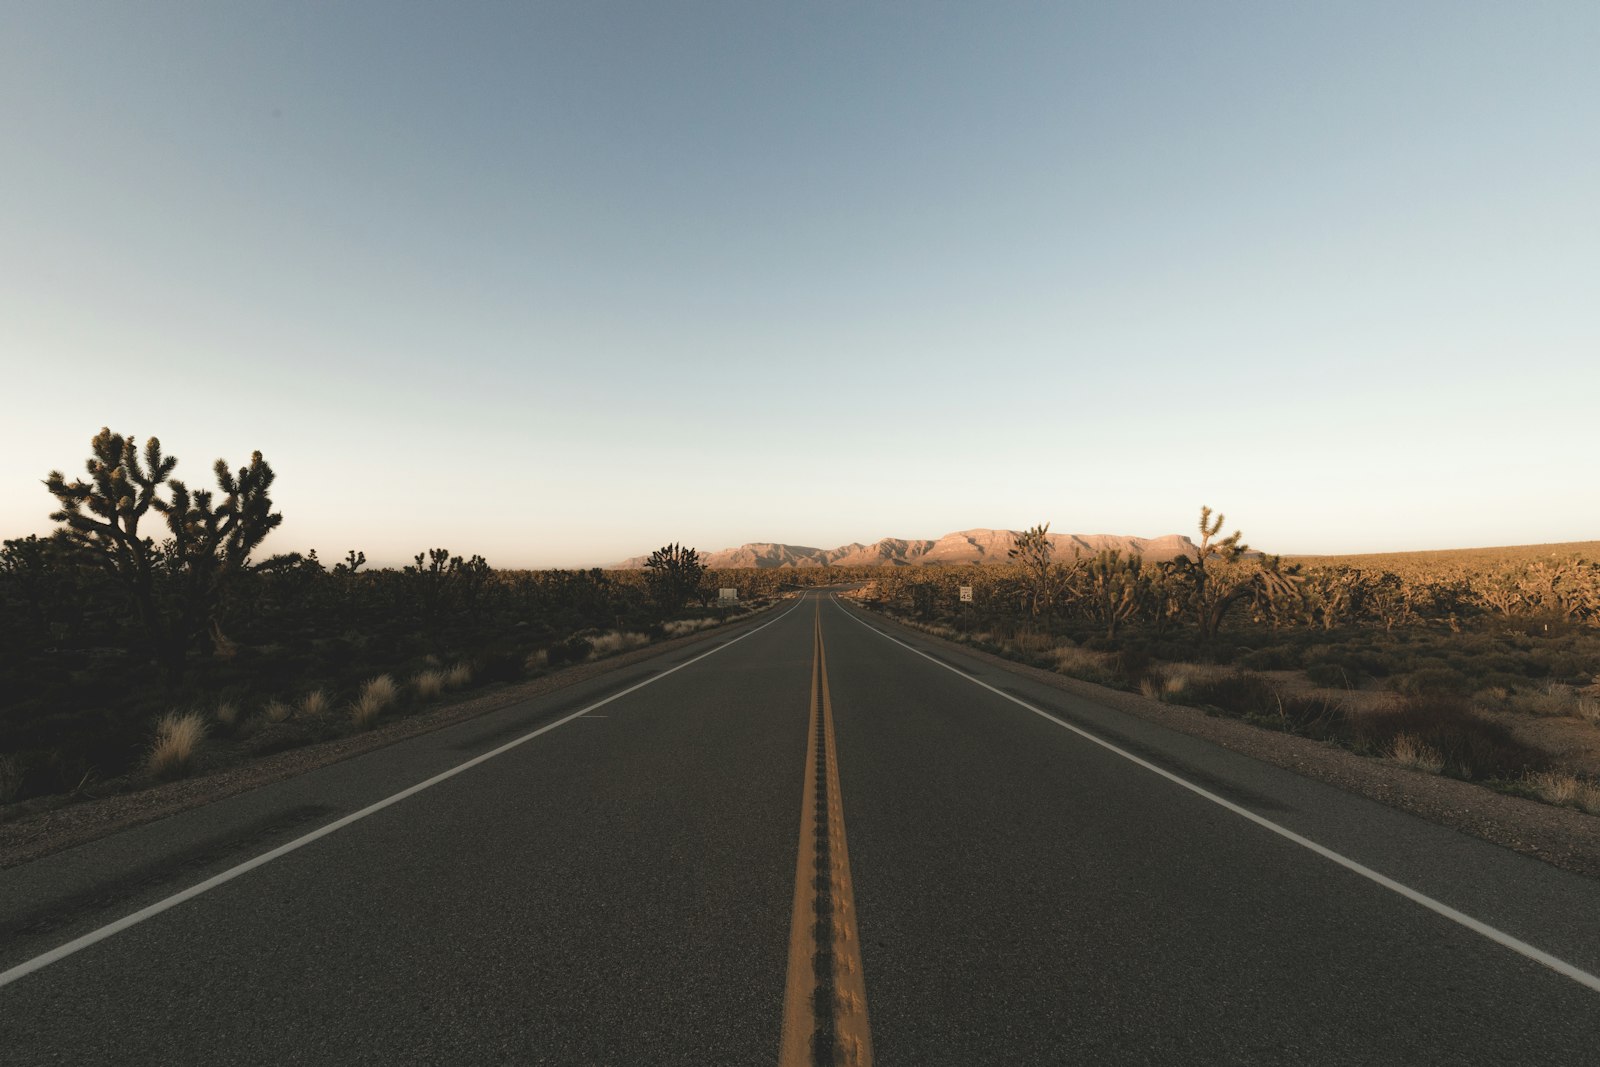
(276, 711)
(1559, 665)
(1555, 787)
(1496, 680)
(315, 703)
(680, 627)
(1131, 666)
(1237, 693)
(1082, 664)
(1469, 745)
(1547, 700)
(1346, 668)
(1271, 658)
(1330, 676)
(617, 641)
(1444, 680)
(458, 677)
(177, 743)
(1324, 718)
(1498, 663)
(1408, 751)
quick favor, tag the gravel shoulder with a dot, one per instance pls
(1562, 837)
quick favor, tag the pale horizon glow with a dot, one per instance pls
(559, 284)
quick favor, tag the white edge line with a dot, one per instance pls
(94, 936)
(1500, 937)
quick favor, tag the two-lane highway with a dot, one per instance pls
(823, 839)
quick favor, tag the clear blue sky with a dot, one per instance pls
(560, 283)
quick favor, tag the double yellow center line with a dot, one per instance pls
(825, 998)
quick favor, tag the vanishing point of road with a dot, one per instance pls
(816, 838)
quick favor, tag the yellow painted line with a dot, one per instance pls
(825, 995)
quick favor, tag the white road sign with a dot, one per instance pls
(966, 594)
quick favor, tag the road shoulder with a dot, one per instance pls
(1562, 837)
(32, 837)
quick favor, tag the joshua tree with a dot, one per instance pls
(1216, 578)
(1114, 588)
(1031, 552)
(675, 573)
(175, 588)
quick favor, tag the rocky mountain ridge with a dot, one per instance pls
(961, 548)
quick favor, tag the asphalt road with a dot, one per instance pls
(622, 888)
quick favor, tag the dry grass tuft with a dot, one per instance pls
(679, 627)
(429, 684)
(1177, 682)
(1408, 751)
(616, 641)
(458, 677)
(537, 660)
(227, 714)
(1034, 643)
(1555, 787)
(1588, 709)
(1082, 664)
(1565, 790)
(376, 695)
(1552, 700)
(177, 742)
(277, 711)
(315, 703)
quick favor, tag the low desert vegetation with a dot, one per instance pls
(1408, 751)
(1446, 662)
(1563, 789)
(176, 745)
(276, 711)
(429, 684)
(377, 695)
(683, 627)
(227, 715)
(104, 631)
(608, 644)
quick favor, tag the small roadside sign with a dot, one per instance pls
(966, 594)
(727, 594)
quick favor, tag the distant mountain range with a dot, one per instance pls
(959, 549)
